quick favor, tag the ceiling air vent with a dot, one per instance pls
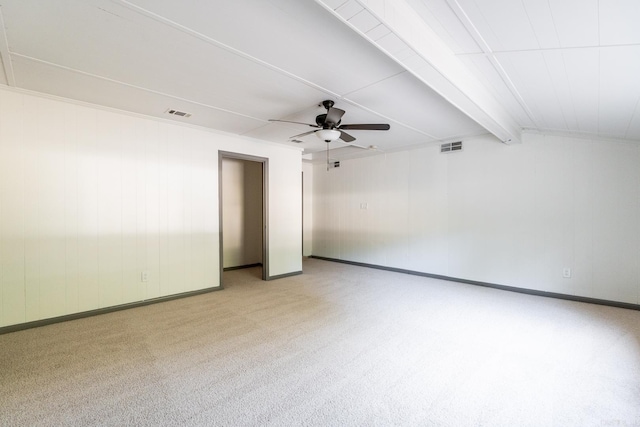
(178, 113)
(451, 146)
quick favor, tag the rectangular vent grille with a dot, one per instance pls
(178, 113)
(451, 146)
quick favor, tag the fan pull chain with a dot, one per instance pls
(327, 157)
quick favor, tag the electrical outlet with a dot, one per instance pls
(566, 273)
(364, 206)
(144, 276)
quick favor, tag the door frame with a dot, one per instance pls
(265, 207)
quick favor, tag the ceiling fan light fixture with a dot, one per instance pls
(328, 135)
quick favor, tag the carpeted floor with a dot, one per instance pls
(338, 346)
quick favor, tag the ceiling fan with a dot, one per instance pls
(329, 127)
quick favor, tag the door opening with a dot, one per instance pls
(242, 201)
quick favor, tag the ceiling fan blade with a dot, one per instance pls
(289, 121)
(346, 137)
(303, 134)
(380, 126)
(334, 115)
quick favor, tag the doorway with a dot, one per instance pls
(242, 182)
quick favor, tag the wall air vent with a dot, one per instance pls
(178, 113)
(451, 146)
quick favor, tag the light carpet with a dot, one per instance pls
(339, 345)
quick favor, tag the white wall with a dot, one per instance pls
(307, 209)
(241, 212)
(90, 198)
(511, 215)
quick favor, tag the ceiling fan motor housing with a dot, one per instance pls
(330, 127)
(328, 104)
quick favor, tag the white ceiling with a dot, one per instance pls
(564, 65)
(436, 70)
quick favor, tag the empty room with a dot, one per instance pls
(320, 213)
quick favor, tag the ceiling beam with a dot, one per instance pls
(403, 36)
(491, 57)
